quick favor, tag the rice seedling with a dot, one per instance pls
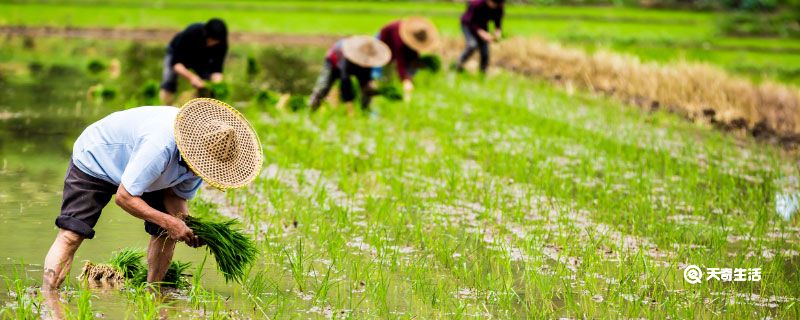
(84, 306)
(175, 277)
(128, 261)
(233, 251)
(24, 304)
(390, 92)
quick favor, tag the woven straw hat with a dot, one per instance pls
(366, 51)
(217, 143)
(419, 33)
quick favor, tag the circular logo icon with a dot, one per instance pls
(692, 274)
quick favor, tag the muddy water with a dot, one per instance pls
(39, 119)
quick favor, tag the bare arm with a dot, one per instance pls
(176, 228)
(485, 35)
(196, 81)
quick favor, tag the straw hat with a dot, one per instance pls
(419, 33)
(366, 51)
(217, 143)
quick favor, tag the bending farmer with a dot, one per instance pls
(196, 54)
(153, 159)
(353, 56)
(475, 25)
(407, 39)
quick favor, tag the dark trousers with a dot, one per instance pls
(327, 78)
(85, 197)
(474, 42)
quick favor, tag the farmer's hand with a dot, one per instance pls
(216, 77)
(497, 34)
(179, 231)
(485, 35)
(408, 87)
(197, 82)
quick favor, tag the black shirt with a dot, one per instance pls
(188, 47)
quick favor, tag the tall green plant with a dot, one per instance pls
(233, 251)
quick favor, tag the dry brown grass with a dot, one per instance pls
(700, 92)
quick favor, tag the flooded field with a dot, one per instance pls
(499, 197)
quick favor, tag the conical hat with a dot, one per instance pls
(419, 33)
(366, 51)
(217, 143)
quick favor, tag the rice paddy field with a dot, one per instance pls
(484, 197)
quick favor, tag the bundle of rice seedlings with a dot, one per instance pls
(100, 273)
(233, 251)
(430, 62)
(174, 278)
(216, 90)
(390, 92)
(128, 262)
(128, 265)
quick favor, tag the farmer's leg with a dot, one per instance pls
(367, 91)
(159, 256)
(59, 259)
(84, 198)
(161, 247)
(56, 267)
(366, 96)
(322, 86)
(471, 43)
(169, 82)
(483, 47)
(347, 94)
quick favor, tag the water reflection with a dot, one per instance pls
(786, 204)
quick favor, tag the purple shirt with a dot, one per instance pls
(479, 14)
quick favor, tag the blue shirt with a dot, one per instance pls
(136, 148)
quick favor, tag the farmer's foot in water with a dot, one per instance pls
(53, 308)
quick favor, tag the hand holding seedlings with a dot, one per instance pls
(198, 82)
(177, 230)
(485, 35)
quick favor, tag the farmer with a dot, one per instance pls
(407, 39)
(153, 159)
(353, 56)
(475, 25)
(196, 54)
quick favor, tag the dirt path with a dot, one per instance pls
(162, 35)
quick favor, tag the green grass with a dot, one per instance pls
(647, 33)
